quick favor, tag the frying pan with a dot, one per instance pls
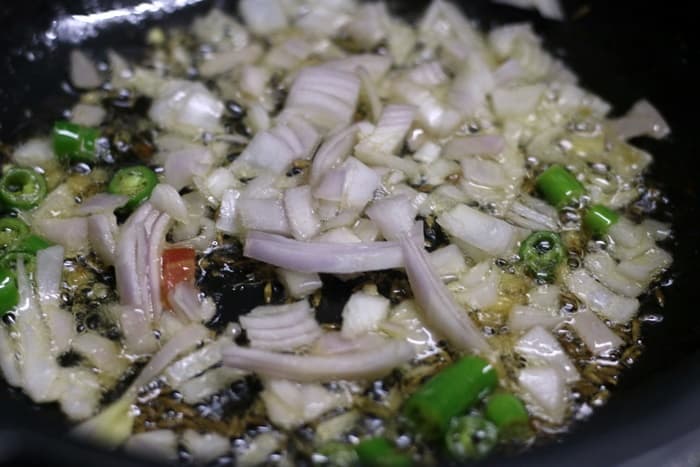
(620, 50)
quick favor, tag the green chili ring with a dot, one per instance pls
(12, 232)
(22, 188)
(541, 253)
(136, 182)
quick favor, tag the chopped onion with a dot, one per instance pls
(186, 106)
(290, 404)
(88, 115)
(517, 101)
(222, 62)
(298, 205)
(642, 120)
(332, 152)
(193, 364)
(199, 388)
(299, 284)
(35, 152)
(187, 302)
(439, 307)
(448, 261)
(534, 214)
(156, 241)
(182, 166)
(390, 132)
(101, 352)
(263, 16)
(205, 447)
(595, 334)
(49, 266)
(644, 267)
(322, 257)
(102, 203)
(363, 313)
(546, 389)
(155, 444)
(597, 297)
(338, 235)
(102, 229)
(548, 8)
(394, 216)
(604, 268)
(135, 324)
(538, 346)
(71, 233)
(524, 317)
(8, 359)
(83, 73)
(83, 398)
(474, 145)
(365, 364)
(478, 288)
(480, 232)
(376, 65)
(227, 219)
(265, 215)
(165, 198)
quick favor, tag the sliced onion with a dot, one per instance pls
(102, 203)
(546, 389)
(49, 266)
(390, 132)
(8, 359)
(187, 302)
(604, 268)
(222, 62)
(362, 313)
(366, 364)
(298, 205)
(139, 336)
(517, 101)
(376, 65)
(273, 316)
(595, 334)
(597, 297)
(448, 261)
(83, 398)
(227, 219)
(186, 106)
(205, 447)
(539, 346)
(101, 352)
(333, 343)
(439, 307)
(193, 364)
(182, 166)
(394, 215)
(156, 241)
(155, 444)
(322, 257)
(71, 233)
(332, 152)
(165, 198)
(88, 115)
(524, 317)
(202, 387)
(102, 229)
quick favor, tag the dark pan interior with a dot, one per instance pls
(621, 50)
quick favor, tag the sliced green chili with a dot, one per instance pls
(541, 253)
(136, 182)
(470, 437)
(9, 295)
(75, 143)
(506, 410)
(22, 188)
(32, 244)
(380, 452)
(558, 186)
(598, 219)
(451, 392)
(9, 261)
(12, 231)
(338, 454)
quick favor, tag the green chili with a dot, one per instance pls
(380, 452)
(541, 253)
(337, 454)
(9, 261)
(598, 219)
(12, 231)
(558, 186)
(75, 143)
(22, 188)
(470, 437)
(32, 244)
(136, 182)
(451, 392)
(505, 411)
(9, 295)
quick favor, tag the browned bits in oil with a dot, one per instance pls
(454, 178)
(301, 164)
(660, 297)
(267, 291)
(630, 355)
(144, 150)
(574, 241)
(425, 188)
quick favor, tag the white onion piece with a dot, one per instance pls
(644, 267)
(461, 146)
(83, 73)
(102, 229)
(101, 352)
(478, 230)
(517, 101)
(8, 360)
(334, 258)
(363, 313)
(376, 65)
(135, 324)
(333, 342)
(71, 233)
(642, 119)
(428, 74)
(546, 390)
(600, 299)
(436, 116)
(182, 166)
(199, 388)
(604, 268)
(428, 153)
(87, 115)
(125, 267)
(262, 187)
(263, 16)
(267, 151)
(83, 398)
(143, 264)
(40, 372)
(366, 28)
(227, 219)
(156, 241)
(344, 218)
(102, 203)
(155, 444)
(595, 334)
(394, 215)
(365, 364)
(538, 346)
(391, 130)
(478, 288)
(439, 307)
(366, 230)
(221, 62)
(448, 261)
(186, 106)
(35, 152)
(359, 185)
(338, 235)
(547, 8)
(298, 205)
(282, 332)
(290, 405)
(205, 447)
(486, 173)
(49, 266)
(507, 72)
(534, 214)
(165, 198)
(265, 215)
(193, 364)
(332, 152)
(524, 317)
(299, 284)
(186, 301)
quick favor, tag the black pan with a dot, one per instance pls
(621, 50)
